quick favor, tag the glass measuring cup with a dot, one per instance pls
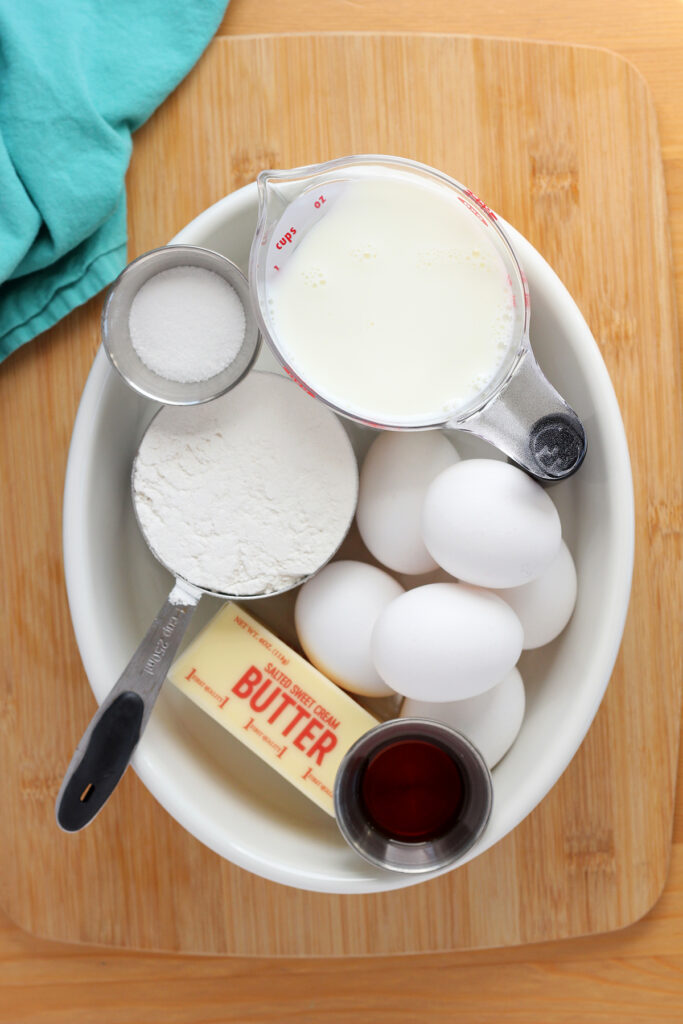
(516, 409)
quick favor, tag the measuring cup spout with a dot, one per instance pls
(277, 189)
(531, 423)
(272, 196)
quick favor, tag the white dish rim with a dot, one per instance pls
(604, 658)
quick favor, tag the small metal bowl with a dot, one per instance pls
(412, 857)
(116, 334)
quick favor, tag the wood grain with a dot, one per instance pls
(632, 975)
(563, 143)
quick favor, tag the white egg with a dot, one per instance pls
(335, 614)
(396, 473)
(490, 720)
(490, 524)
(445, 641)
(545, 605)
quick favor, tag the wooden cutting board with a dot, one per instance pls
(563, 143)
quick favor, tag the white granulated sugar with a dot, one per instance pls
(187, 324)
(247, 494)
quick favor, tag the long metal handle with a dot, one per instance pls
(529, 421)
(108, 743)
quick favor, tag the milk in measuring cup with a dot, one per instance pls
(394, 304)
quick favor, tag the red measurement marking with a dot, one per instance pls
(277, 268)
(480, 202)
(287, 237)
(477, 214)
(299, 382)
(319, 202)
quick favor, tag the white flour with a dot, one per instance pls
(246, 494)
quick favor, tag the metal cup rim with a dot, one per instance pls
(116, 337)
(424, 856)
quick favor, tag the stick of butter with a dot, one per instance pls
(271, 699)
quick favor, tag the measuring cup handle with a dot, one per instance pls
(532, 424)
(108, 743)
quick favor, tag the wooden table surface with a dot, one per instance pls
(632, 975)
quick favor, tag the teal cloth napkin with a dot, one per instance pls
(77, 77)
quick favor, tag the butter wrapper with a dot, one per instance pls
(272, 700)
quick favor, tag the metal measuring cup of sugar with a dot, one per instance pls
(107, 745)
(517, 409)
(119, 345)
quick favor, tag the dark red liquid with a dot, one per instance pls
(412, 790)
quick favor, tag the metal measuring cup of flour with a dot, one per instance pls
(107, 745)
(518, 410)
(116, 334)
